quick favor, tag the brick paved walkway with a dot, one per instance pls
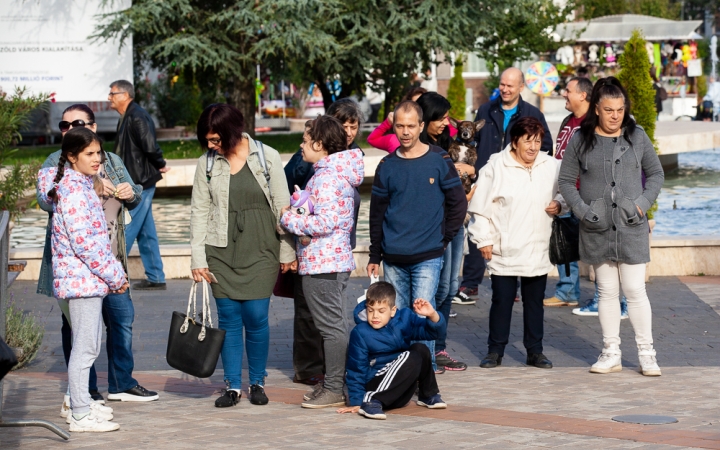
(513, 406)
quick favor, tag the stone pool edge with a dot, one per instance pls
(671, 256)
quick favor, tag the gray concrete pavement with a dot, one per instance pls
(513, 406)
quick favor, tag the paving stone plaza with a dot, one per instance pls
(512, 406)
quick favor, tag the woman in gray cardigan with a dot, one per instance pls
(609, 155)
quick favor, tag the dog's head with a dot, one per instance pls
(466, 128)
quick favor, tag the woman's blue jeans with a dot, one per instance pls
(233, 315)
(449, 283)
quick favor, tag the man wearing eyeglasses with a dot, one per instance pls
(136, 145)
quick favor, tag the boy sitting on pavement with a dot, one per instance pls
(383, 367)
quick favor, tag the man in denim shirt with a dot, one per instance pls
(118, 311)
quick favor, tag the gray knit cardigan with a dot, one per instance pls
(610, 189)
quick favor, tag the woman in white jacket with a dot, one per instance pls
(511, 222)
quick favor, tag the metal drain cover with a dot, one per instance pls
(645, 419)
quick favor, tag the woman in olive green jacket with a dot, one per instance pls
(235, 241)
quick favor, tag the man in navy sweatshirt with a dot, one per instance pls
(417, 207)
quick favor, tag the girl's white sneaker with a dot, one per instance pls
(648, 364)
(104, 412)
(65, 409)
(92, 423)
(610, 360)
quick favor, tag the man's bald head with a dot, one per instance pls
(511, 84)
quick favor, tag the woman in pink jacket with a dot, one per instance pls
(84, 267)
(383, 136)
(326, 261)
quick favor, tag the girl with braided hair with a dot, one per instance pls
(84, 267)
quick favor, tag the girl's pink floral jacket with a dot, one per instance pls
(83, 263)
(333, 186)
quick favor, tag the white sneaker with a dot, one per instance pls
(104, 412)
(648, 363)
(610, 360)
(92, 423)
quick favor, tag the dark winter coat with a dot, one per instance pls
(136, 145)
(491, 139)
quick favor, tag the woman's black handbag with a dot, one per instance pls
(8, 360)
(193, 347)
(565, 241)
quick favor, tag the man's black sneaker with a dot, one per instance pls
(538, 360)
(228, 398)
(461, 298)
(146, 285)
(97, 397)
(491, 360)
(256, 395)
(136, 394)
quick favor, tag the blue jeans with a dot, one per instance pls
(118, 314)
(253, 315)
(568, 287)
(448, 285)
(411, 281)
(142, 228)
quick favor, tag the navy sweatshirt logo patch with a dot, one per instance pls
(432, 180)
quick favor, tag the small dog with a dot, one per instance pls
(462, 149)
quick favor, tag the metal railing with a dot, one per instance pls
(4, 257)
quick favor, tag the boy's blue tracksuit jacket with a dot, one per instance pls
(370, 350)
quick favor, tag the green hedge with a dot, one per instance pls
(284, 143)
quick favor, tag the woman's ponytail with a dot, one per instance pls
(52, 193)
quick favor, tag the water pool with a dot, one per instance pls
(689, 205)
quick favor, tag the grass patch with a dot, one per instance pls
(180, 149)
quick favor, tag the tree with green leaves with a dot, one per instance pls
(15, 110)
(456, 90)
(635, 77)
(667, 9)
(519, 29)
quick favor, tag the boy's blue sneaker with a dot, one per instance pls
(591, 309)
(623, 308)
(434, 402)
(372, 410)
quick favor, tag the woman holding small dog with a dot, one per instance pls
(436, 110)
(235, 244)
(511, 215)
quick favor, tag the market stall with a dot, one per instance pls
(671, 45)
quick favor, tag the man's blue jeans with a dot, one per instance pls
(233, 315)
(142, 228)
(118, 314)
(568, 287)
(448, 285)
(411, 281)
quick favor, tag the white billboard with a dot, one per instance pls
(44, 46)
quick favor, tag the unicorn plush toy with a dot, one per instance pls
(302, 203)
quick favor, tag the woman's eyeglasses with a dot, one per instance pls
(65, 125)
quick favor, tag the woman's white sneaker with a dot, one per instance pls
(104, 412)
(610, 360)
(92, 423)
(648, 363)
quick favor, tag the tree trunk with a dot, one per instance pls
(327, 95)
(242, 96)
